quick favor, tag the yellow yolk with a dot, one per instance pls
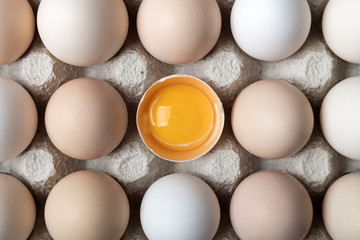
(181, 117)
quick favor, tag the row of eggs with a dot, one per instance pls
(85, 33)
(92, 205)
(180, 118)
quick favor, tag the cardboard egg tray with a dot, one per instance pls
(314, 69)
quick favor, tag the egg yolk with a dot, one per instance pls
(181, 117)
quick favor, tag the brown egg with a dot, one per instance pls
(17, 28)
(179, 31)
(87, 205)
(271, 205)
(86, 118)
(272, 119)
(17, 209)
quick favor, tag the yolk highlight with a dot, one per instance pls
(181, 117)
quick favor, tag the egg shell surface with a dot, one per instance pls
(86, 118)
(340, 27)
(179, 31)
(272, 119)
(178, 207)
(271, 205)
(17, 28)
(17, 209)
(83, 32)
(340, 116)
(18, 119)
(341, 208)
(87, 205)
(270, 30)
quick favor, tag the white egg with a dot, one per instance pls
(18, 119)
(270, 30)
(340, 117)
(178, 207)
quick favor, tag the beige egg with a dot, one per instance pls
(86, 118)
(83, 32)
(272, 119)
(271, 205)
(87, 205)
(179, 31)
(341, 208)
(17, 27)
(17, 209)
(339, 27)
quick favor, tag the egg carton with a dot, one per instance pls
(314, 69)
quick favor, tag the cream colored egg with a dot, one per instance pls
(17, 209)
(17, 27)
(340, 116)
(87, 205)
(179, 31)
(83, 32)
(272, 119)
(341, 208)
(271, 205)
(340, 26)
(86, 118)
(18, 119)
